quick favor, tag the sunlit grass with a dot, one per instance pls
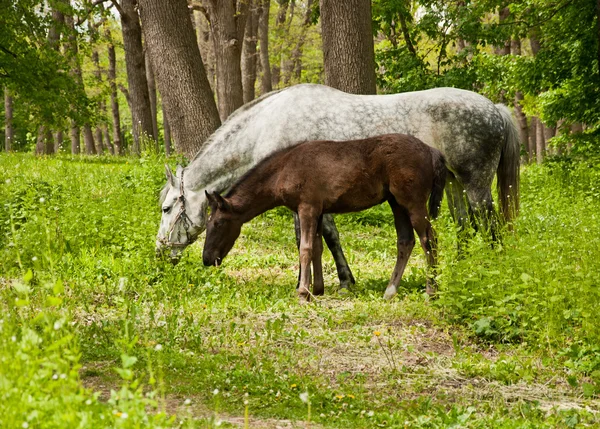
(512, 340)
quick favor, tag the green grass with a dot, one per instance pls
(96, 332)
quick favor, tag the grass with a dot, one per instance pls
(95, 332)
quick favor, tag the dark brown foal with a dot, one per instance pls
(319, 177)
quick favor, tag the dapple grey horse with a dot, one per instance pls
(477, 138)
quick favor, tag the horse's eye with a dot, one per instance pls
(166, 209)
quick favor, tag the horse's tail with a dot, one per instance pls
(439, 181)
(508, 168)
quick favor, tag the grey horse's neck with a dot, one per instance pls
(226, 155)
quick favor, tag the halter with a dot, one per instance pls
(187, 222)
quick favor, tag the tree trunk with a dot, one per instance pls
(45, 144)
(114, 100)
(503, 49)
(549, 132)
(279, 23)
(58, 141)
(167, 133)
(152, 94)
(228, 19)
(106, 135)
(539, 141)
(207, 48)
(532, 139)
(299, 48)
(75, 136)
(187, 99)
(141, 113)
(88, 139)
(520, 116)
(249, 53)
(348, 53)
(9, 131)
(266, 84)
(101, 105)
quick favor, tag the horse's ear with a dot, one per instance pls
(215, 199)
(169, 174)
(178, 170)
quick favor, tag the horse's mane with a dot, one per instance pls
(234, 116)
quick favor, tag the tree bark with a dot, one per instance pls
(348, 52)
(299, 48)
(9, 132)
(279, 24)
(114, 100)
(152, 94)
(101, 105)
(72, 52)
(180, 75)
(167, 133)
(228, 20)
(520, 116)
(249, 55)
(45, 144)
(88, 139)
(207, 48)
(141, 113)
(58, 141)
(539, 141)
(503, 49)
(266, 84)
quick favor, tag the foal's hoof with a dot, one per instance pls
(303, 295)
(390, 292)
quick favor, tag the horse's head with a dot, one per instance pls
(183, 216)
(223, 228)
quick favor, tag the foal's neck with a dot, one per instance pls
(253, 197)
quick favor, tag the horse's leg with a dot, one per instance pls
(318, 283)
(458, 205)
(405, 243)
(297, 231)
(428, 243)
(483, 209)
(332, 239)
(308, 228)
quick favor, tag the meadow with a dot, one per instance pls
(96, 332)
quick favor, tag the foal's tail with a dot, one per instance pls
(439, 181)
(508, 168)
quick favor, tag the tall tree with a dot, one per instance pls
(263, 40)
(299, 47)
(187, 99)
(207, 47)
(249, 56)
(9, 134)
(228, 21)
(152, 94)
(141, 113)
(114, 100)
(348, 52)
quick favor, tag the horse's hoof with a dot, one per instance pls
(318, 291)
(389, 293)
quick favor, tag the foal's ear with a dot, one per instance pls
(178, 171)
(169, 175)
(215, 200)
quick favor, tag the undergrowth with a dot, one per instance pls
(82, 297)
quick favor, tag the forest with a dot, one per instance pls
(97, 331)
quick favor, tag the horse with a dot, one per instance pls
(477, 139)
(318, 177)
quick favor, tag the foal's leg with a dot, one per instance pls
(405, 243)
(297, 231)
(308, 229)
(424, 230)
(332, 239)
(318, 283)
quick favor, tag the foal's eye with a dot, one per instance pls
(166, 209)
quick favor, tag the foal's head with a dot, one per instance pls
(223, 228)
